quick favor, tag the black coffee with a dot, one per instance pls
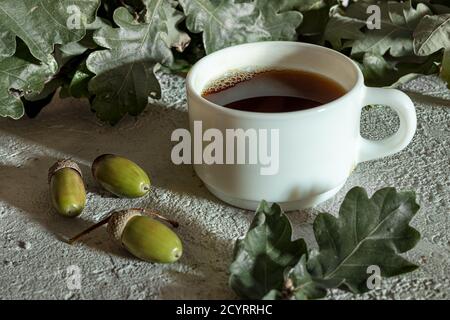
(273, 91)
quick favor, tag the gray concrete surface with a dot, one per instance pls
(34, 260)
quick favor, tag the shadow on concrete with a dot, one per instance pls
(428, 99)
(26, 188)
(70, 130)
(74, 132)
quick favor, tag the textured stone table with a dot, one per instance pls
(34, 260)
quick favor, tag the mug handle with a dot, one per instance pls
(404, 107)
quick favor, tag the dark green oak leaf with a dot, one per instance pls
(445, 68)
(226, 22)
(437, 6)
(71, 50)
(300, 284)
(380, 72)
(398, 22)
(302, 5)
(341, 28)
(43, 23)
(79, 83)
(367, 232)
(261, 258)
(314, 23)
(125, 69)
(20, 75)
(273, 294)
(173, 37)
(432, 34)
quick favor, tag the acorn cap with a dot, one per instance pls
(61, 164)
(119, 220)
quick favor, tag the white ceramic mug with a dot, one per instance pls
(318, 147)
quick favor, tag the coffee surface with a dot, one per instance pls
(273, 91)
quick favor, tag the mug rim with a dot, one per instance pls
(192, 92)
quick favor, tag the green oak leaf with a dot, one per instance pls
(301, 5)
(135, 7)
(301, 285)
(314, 23)
(432, 34)
(73, 76)
(380, 72)
(298, 285)
(48, 90)
(22, 74)
(406, 71)
(124, 72)
(43, 23)
(367, 232)
(376, 70)
(398, 22)
(79, 84)
(225, 22)
(440, 9)
(72, 71)
(74, 49)
(7, 43)
(261, 258)
(174, 37)
(273, 294)
(445, 68)
(437, 6)
(341, 27)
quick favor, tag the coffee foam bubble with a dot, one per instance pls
(229, 80)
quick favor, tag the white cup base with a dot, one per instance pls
(286, 206)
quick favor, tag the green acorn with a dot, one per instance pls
(120, 176)
(142, 235)
(67, 191)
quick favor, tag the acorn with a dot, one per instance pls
(67, 191)
(120, 176)
(142, 235)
